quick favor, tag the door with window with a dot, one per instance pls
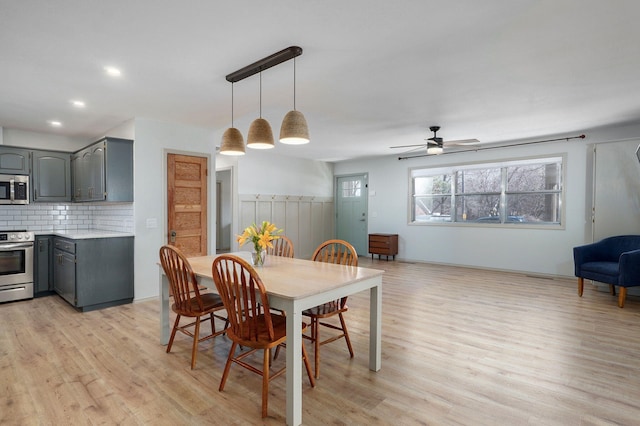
(187, 203)
(351, 211)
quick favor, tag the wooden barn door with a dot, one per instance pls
(187, 203)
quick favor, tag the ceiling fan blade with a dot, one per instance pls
(463, 142)
(421, 145)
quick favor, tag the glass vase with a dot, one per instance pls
(258, 257)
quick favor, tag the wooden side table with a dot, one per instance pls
(383, 244)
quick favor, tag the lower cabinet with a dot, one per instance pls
(93, 273)
(42, 271)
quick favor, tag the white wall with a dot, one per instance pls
(267, 172)
(153, 139)
(543, 251)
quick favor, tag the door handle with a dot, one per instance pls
(173, 236)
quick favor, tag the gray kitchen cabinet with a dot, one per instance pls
(51, 176)
(14, 161)
(94, 273)
(42, 270)
(103, 171)
(64, 270)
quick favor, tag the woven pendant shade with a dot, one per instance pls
(260, 135)
(232, 142)
(294, 130)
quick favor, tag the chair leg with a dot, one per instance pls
(580, 286)
(346, 334)
(227, 366)
(173, 333)
(315, 336)
(213, 324)
(265, 380)
(196, 338)
(622, 296)
(276, 353)
(612, 289)
(307, 364)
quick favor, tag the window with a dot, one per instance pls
(351, 188)
(511, 192)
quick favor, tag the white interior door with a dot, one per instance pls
(616, 193)
(616, 197)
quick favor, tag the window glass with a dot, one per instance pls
(351, 188)
(527, 191)
(432, 198)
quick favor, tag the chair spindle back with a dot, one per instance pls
(243, 295)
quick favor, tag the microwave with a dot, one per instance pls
(14, 189)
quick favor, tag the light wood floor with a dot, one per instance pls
(460, 347)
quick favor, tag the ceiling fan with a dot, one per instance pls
(435, 145)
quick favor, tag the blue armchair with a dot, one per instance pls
(613, 260)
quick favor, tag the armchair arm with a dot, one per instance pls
(630, 268)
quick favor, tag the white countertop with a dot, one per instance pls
(80, 234)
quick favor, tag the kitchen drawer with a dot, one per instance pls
(65, 245)
(383, 244)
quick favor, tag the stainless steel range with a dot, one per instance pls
(16, 265)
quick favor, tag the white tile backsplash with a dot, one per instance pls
(51, 216)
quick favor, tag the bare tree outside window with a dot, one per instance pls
(512, 192)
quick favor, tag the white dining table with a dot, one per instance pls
(294, 285)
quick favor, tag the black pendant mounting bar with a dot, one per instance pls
(265, 63)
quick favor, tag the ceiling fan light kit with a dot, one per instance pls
(435, 145)
(294, 129)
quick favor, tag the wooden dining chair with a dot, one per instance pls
(188, 301)
(281, 247)
(342, 253)
(252, 325)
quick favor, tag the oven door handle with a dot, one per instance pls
(13, 246)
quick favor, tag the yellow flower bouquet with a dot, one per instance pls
(261, 237)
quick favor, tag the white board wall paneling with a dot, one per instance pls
(306, 220)
(292, 225)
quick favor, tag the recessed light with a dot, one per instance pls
(113, 71)
(55, 123)
(78, 104)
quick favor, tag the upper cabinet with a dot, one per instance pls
(103, 171)
(14, 161)
(51, 176)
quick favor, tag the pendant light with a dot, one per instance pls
(294, 130)
(260, 135)
(232, 141)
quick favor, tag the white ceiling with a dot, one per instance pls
(373, 73)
